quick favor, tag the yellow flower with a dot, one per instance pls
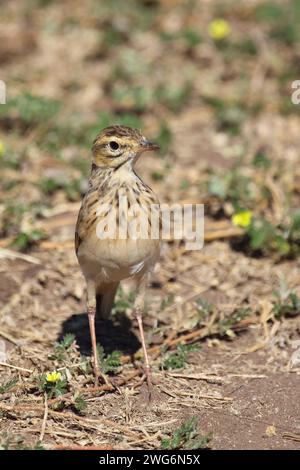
(219, 29)
(53, 377)
(2, 148)
(242, 219)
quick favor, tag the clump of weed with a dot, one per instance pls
(63, 347)
(186, 437)
(124, 300)
(79, 403)
(8, 385)
(110, 362)
(164, 137)
(73, 187)
(25, 240)
(27, 110)
(17, 443)
(280, 238)
(204, 309)
(173, 97)
(166, 302)
(233, 187)
(287, 302)
(178, 359)
(54, 384)
(225, 325)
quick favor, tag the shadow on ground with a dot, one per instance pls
(113, 334)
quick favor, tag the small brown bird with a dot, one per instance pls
(106, 251)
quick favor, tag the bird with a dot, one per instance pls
(106, 256)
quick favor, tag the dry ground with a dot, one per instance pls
(105, 66)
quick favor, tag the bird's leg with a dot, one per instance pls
(91, 307)
(138, 309)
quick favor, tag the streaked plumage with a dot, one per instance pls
(106, 262)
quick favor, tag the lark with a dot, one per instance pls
(106, 251)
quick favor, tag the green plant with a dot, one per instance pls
(110, 362)
(54, 384)
(261, 160)
(137, 98)
(157, 175)
(173, 97)
(72, 187)
(178, 359)
(62, 348)
(186, 437)
(166, 302)
(164, 137)
(8, 385)
(29, 109)
(287, 302)
(85, 366)
(282, 20)
(14, 213)
(282, 238)
(11, 159)
(230, 114)
(124, 300)
(204, 308)
(17, 443)
(234, 187)
(191, 37)
(236, 316)
(25, 240)
(79, 403)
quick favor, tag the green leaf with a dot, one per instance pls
(218, 186)
(8, 385)
(178, 359)
(110, 362)
(186, 437)
(260, 232)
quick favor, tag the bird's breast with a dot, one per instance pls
(117, 259)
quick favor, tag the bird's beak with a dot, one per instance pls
(146, 145)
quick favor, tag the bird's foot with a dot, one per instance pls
(100, 377)
(148, 376)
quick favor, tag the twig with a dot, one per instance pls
(44, 419)
(227, 233)
(4, 364)
(9, 338)
(72, 366)
(291, 436)
(210, 378)
(247, 376)
(204, 397)
(5, 253)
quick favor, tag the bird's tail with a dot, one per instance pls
(105, 297)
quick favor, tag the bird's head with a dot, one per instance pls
(116, 145)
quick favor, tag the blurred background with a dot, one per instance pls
(211, 82)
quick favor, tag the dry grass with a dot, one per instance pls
(230, 140)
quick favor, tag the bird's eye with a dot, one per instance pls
(114, 145)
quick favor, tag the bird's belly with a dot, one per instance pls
(114, 260)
